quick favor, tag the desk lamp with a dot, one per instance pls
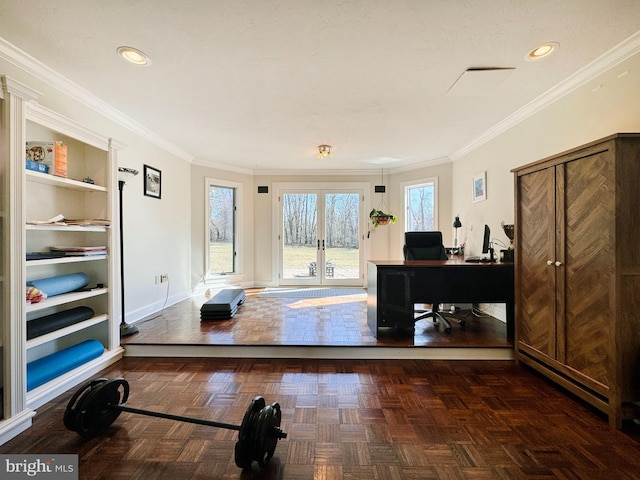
(124, 175)
(456, 225)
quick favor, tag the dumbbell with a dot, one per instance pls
(98, 403)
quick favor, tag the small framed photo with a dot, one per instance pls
(152, 182)
(480, 187)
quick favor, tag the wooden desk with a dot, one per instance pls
(395, 286)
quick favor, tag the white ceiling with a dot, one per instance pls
(258, 84)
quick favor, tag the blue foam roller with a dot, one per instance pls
(61, 284)
(47, 368)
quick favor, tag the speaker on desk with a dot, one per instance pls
(506, 256)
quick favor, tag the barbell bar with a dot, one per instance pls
(98, 403)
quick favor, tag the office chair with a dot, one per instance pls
(426, 246)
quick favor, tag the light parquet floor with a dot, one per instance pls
(327, 321)
(356, 420)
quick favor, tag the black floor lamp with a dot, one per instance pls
(124, 175)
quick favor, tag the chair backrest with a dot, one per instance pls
(424, 246)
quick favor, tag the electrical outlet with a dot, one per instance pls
(164, 278)
(157, 279)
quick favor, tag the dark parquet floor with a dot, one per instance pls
(345, 419)
(362, 419)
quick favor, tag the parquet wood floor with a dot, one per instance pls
(358, 419)
(328, 321)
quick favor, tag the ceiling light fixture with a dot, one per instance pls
(324, 151)
(134, 56)
(542, 51)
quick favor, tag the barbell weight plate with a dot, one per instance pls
(71, 412)
(243, 449)
(265, 438)
(94, 415)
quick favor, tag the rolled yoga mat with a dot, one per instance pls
(56, 321)
(61, 284)
(47, 368)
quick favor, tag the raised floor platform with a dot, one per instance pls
(319, 327)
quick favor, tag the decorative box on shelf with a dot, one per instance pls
(37, 166)
(52, 154)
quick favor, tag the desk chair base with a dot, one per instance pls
(437, 318)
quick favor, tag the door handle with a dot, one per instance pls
(558, 263)
(549, 262)
(323, 245)
(318, 244)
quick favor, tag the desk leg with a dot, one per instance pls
(389, 304)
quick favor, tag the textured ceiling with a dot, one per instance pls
(258, 84)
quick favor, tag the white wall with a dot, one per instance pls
(444, 214)
(157, 232)
(199, 228)
(382, 243)
(605, 105)
(165, 236)
(266, 238)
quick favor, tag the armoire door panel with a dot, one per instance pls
(588, 266)
(536, 233)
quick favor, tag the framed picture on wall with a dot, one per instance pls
(480, 187)
(152, 182)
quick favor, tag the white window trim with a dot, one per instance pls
(237, 237)
(418, 183)
(280, 187)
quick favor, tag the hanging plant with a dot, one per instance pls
(378, 217)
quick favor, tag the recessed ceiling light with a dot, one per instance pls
(542, 51)
(133, 55)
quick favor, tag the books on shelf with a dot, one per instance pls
(73, 251)
(60, 220)
(83, 251)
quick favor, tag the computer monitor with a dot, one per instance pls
(487, 247)
(486, 243)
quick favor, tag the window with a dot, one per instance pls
(420, 201)
(222, 221)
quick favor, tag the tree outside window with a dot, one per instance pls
(222, 209)
(420, 205)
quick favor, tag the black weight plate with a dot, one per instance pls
(248, 421)
(242, 455)
(95, 416)
(71, 412)
(244, 452)
(265, 436)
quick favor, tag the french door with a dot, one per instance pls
(320, 237)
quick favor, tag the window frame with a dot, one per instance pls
(406, 186)
(237, 228)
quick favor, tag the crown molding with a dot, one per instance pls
(416, 166)
(221, 166)
(34, 67)
(621, 52)
(317, 172)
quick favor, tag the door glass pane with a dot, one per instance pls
(221, 230)
(342, 235)
(299, 235)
